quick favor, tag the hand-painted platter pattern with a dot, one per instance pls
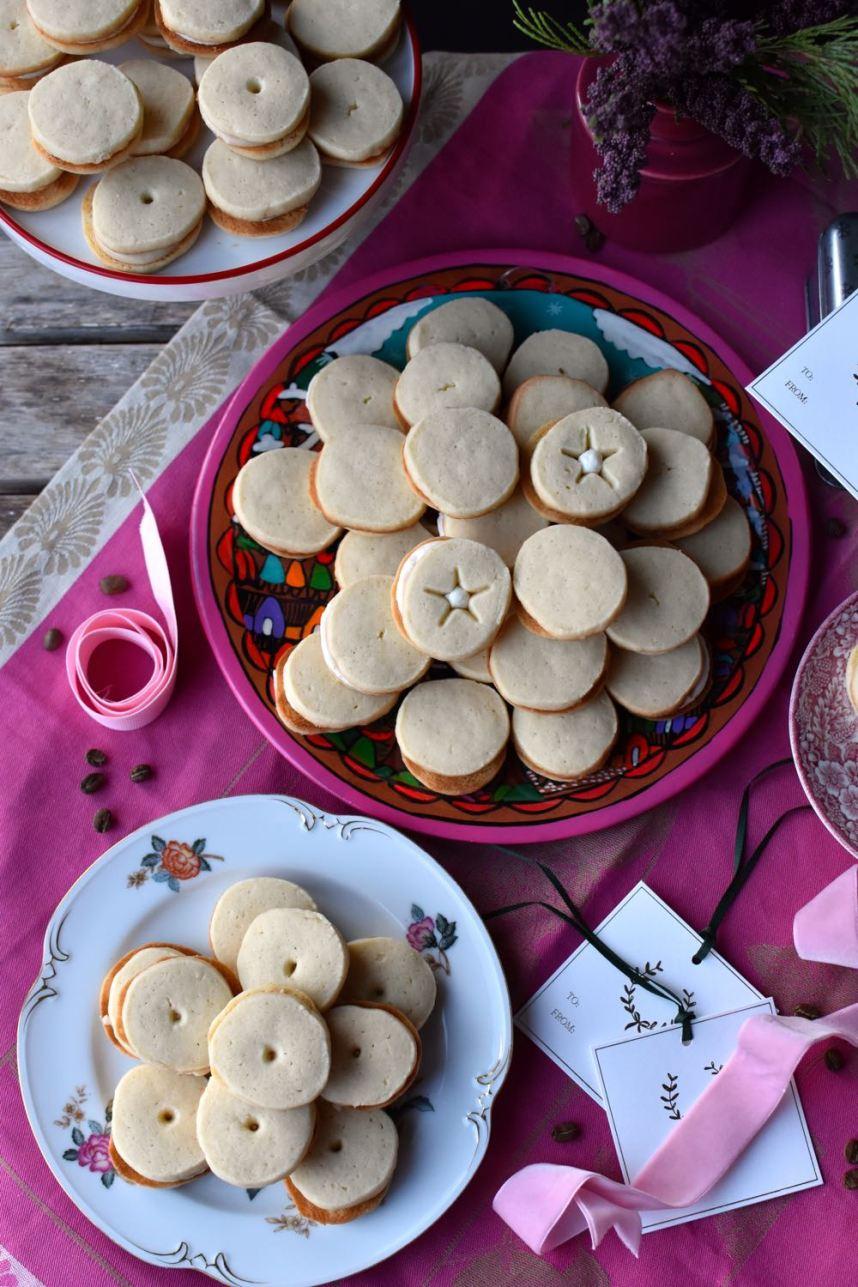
(255, 605)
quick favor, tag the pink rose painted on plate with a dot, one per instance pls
(431, 936)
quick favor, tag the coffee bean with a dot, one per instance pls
(52, 639)
(564, 1132)
(95, 757)
(851, 1152)
(850, 1179)
(92, 782)
(113, 584)
(103, 820)
(834, 1059)
(807, 1012)
(141, 773)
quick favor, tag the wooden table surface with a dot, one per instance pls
(67, 354)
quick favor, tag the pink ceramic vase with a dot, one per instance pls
(693, 184)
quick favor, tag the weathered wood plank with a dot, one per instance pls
(53, 397)
(11, 509)
(40, 307)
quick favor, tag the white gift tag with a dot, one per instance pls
(650, 1082)
(813, 391)
(588, 1001)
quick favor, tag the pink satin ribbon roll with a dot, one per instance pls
(547, 1204)
(136, 629)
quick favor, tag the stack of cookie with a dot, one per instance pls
(273, 1059)
(578, 547)
(274, 125)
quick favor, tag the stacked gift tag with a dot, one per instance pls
(495, 514)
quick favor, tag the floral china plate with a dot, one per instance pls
(255, 606)
(160, 884)
(823, 727)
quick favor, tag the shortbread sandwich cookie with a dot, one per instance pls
(359, 481)
(208, 27)
(355, 113)
(69, 133)
(569, 582)
(442, 377)
(388, 971)
(355, 389)
(451, 596)
(150, 36)
(476, 667)
(349, 1167)
(668, 400)
(721, 549)
(566, 745)
(543, 674)
(375, 1055)
(461, 461)
(655, 686)
(144, 214)
(328, 29)
(271, 498)
(297, 948)
(165, 1011)
(542, 399)
(309, 698)
(674, 491)
(470, 320)
(265, 198)
(251, 1146)
(362, 644)
(716, 499)
(85, 27)
(585, 468)
(121, 973)
(153, 1134)
(668, 598)
(239, 906)
(556, 352)
(256, 98)
(504, 529)
(170, 123)
(271, 1047)
(27, 180)
(452, 734)
(363, 554)
(25, 55)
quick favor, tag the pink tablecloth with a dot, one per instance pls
(503, 179)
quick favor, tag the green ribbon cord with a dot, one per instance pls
(743, 866)
(572, 916)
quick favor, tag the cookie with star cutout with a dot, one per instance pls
(451, 596)
(585, 468)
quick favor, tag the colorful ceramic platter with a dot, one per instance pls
(221, 264)
(254, 604)
(823, 727)
(160, 884)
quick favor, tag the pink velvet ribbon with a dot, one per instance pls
(548, 1204)
(134, 628)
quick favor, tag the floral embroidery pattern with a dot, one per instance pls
(433, 937)
(128, 444)
(190, 375)
(63, 525)
(19, 596)
(91, 1146)
(172, 861)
